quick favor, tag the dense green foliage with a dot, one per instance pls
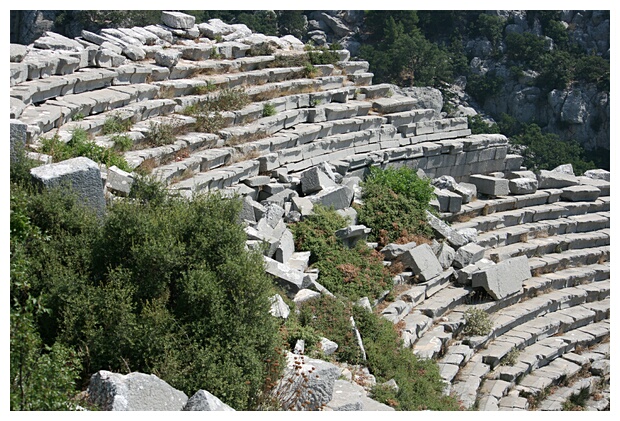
(420, 385)
(159, 285)
(545, 151)
(353, 273)
(81, 145)
(395, 201)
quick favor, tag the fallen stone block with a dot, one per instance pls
(503, 279)
(278, 307)
(555, 180)
(205, 401)
(133, 392)
(347, 397)
(598, 174)
(81, 175)
(580, 193)
(338, 197)
(119, 181)
(304, 295)
(328, 347)
(291, 280)
(177, 20)
(467, 191)
(564, 169)
(392, 250)
(444, 231)
(490, 186)
(307, 383)
(445, 254)
(313, 180)
(523, 185)
(286, 248)
(352, 234)
(448, 201)
(602, 185)
(422, 261)
(468, 254)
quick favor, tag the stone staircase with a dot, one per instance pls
(332, 118)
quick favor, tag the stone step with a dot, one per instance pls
(567, 259)
(540, 247)
(557, 399)
(468, 380)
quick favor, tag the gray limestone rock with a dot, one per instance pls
(304, 295)
(54, 41)
(278, 307)
(523, 185)
(468, 254)
(422, 261)
(503, 279)
(205, 401)
(133, 52)
(352, 234)
(564, 169)
(444, 231)
(392, 250)
(18, 52)
(445, 182)
(177, 20)
(445, 254)
(347, 397)
(289, 279)
(295, 393)
(314, 180)
(133, 392)
(81, 175)
(490, 185)
(119, 181)
(167, 58)
(17, 138)
(555, 180)
(338, 197)
(581, 193)
(328, 347)
(598, 174)
(467, 191)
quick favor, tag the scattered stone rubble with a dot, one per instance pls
(531, 250)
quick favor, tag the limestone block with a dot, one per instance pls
(422, 261)
(177, 20)
(392, 250)
(54, 41)
(448, 201)
(167, 58)
(598, 174)
(468, 254)
(19, 73)
(313, 392)
(108, 58)
(337, 197)
(205, 401)
(581, 193)
(445, 254)
(119, 181)
(352, 234)
(523, 185)
(133, 392)
(503, 279)
(81, 175)
(289, 279)
(555, 180)
(347, 397)
(394, 104)
(328, 347)
(133, 52)
(18, 52)
(286, 248)
(17, 138)
(467, 191)
(490, 185)
(444, 231)
(511, 175)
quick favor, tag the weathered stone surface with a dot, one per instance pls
(177, 20)
(328, 347)
(18, 52)
(278, 307)
(467, 191)
(304, 295)
(523, 185)
(133, 392)
(564, 169)
(337, 197)
(445, 254)
(504, 278)
(205, 401)
(80, 174)
(468, 254)
(444, 231)
(295, 393)
(422, 261)
(490, 185)
(54, 41)
(289, 279)
(352, 234)
(167, 58)
(555, 180)
(392, 250)
(581, 193)
(133, 52)
(347, 397)
(17, 137)
(119, 181)
(314, 180)
(448, 201)
(598, 174)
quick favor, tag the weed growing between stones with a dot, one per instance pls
(80, 144)
(115, 124)
(511, 358)
(205, 89)
(122, 142)
(78, 117)
(477, 322)
(163, 133)
(269, 110)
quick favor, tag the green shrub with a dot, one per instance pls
(395, 201)
(527, 48)
(78, 117)
(269, 110)
(81, 145)
(482, 87)
(477, 323)
(308, 71)
(512, 357)
(323, 55)
(161, 133)
(115, 124)
(122, 142)
(205, 89)
(478, 126)
(594, 69)
(354, 273)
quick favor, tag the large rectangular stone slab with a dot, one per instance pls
(490, 185)
(422, 261)
(504, 279)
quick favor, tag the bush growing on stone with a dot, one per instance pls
(477, 322)
(354, 273)
(81, 145)
(162, 133)
(122, 142)
(269, 110)
(395, 201)
(115, 124)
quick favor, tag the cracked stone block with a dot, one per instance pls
(490, 185)
(503, 279)
(555, 180)
(580, 193)
(422, 261)
(523, 185)
(205, 401)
